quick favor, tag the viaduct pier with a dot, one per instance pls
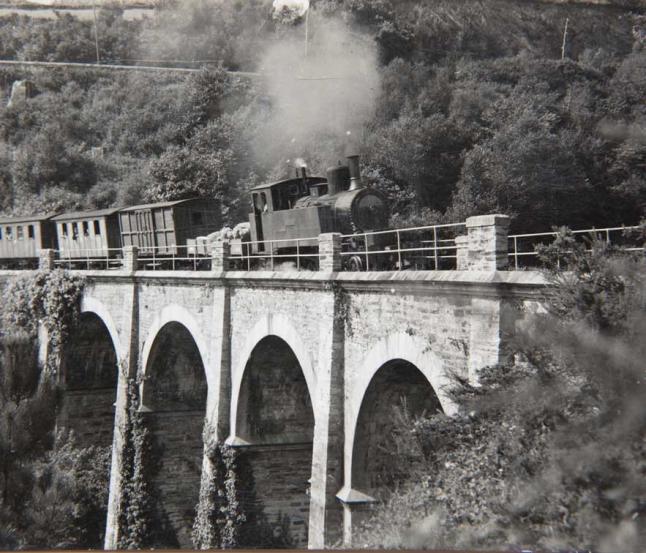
(299, 369)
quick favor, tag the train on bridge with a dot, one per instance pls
(285, 221)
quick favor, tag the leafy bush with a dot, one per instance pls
(548, 451)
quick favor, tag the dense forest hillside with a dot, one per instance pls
(458, 108)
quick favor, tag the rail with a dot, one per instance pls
(430, 247)
(522, 256)
(171, 258)
(94, 258)
(298, 253)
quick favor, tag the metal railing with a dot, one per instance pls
(430, 247)
(522, 247)
(94, 258)
(297, 253)
(171, 258)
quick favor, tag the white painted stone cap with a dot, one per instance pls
(349, 495)
(496, 219)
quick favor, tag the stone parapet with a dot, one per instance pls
(130, 258)
(220, 252)
(484, 248)
(46, 259)
(330, 252)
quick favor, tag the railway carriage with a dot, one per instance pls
(88, 234)
(163, 228)
(22, 238)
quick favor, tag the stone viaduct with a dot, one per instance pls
(302, 370)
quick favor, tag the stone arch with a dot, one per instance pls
(272, 422)
(280, 326)
(175, 313)
(93, 305)
(402, 350)
(89, 372)
(174, 400)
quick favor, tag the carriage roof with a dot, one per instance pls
(27, 218)
(172, 203)
(86, 214)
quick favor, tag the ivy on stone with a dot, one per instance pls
(136, 512)
(52, 298)
(219, 511)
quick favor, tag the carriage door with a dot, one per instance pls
(146, 228)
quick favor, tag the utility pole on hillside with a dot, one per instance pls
(565, 46)
(96, 33)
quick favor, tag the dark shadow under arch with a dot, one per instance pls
(89, 375)
(275, 416)
(174, 403)
(398, 392)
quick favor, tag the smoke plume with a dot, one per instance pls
(321, 80)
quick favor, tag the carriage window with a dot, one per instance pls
(197, 218)
(9, 234)
(30, 231)
(20, 233)
(263, 202)
(97, 228)
(64, 229)
(75, 231)
(86, 228)
(0, 233)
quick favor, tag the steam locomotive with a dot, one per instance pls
(287, 216)
(286, 219)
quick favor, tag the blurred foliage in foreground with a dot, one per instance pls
(549, 450)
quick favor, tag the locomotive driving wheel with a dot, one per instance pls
(354, 263)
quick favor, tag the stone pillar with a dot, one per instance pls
(127, 360)
(486, 244)
(326, 512)
(357, 507)
(220, 251)
(330, 252)
(46, 260)
(130, 258)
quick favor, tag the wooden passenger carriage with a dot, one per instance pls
(88, 234)
(22, 238)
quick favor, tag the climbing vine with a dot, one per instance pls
(343, 308)
(219, 510)
(136, 512)
(52, 298)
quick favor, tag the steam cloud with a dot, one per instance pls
(323, 88)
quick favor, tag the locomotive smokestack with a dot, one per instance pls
(355, 172)
(337, 179)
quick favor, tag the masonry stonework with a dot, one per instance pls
(342, 330)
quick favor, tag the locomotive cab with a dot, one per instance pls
(276, 216)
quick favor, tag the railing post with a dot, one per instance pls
(130, 258)
(46, 260)
(220, 252)
(330, 252)
(486, 244)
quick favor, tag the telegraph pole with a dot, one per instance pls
(96, 33)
